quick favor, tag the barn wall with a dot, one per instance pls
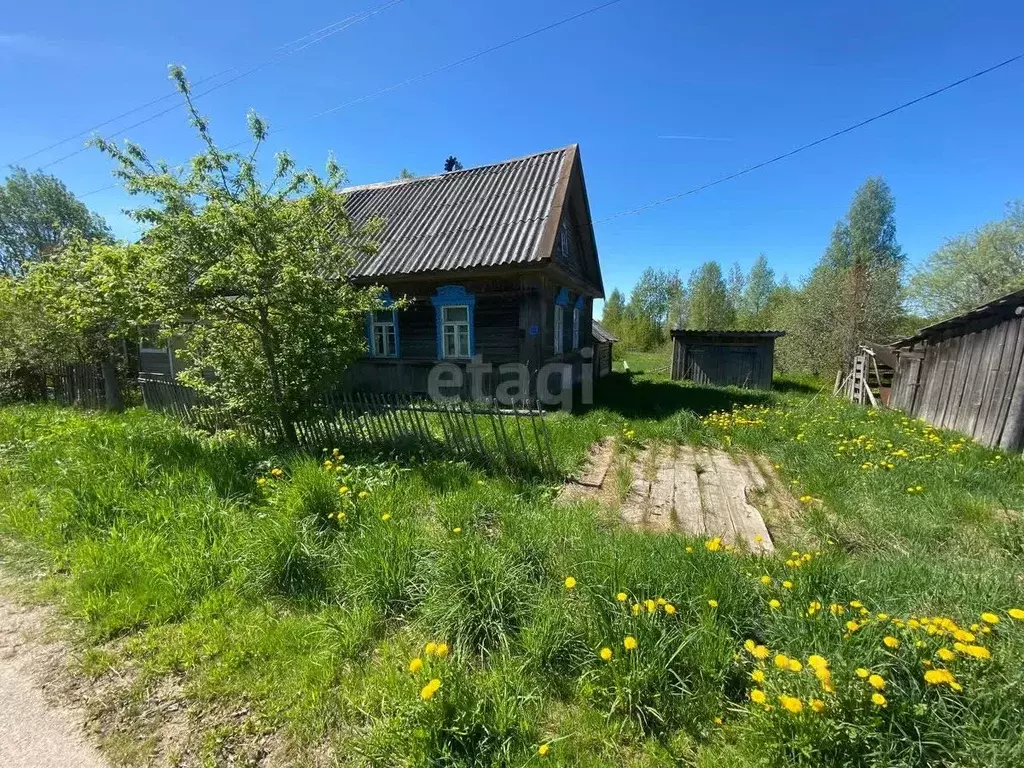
(971, 380)
(723, 361)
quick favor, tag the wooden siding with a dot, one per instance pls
(722, 360)
(970, 379)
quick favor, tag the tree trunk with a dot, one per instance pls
(284, 413)
(111, 386)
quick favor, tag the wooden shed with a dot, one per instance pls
(967, 373)
(603, 342)
(725, 358)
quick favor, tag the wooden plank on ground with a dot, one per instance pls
(686, 494)
(745, 520)
(598, 462)
(659, 510)
(715, 499)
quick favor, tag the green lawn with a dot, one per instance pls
(252, 580)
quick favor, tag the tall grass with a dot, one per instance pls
(319, 591)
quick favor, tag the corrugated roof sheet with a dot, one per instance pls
(732, 333)
(601, 333)
(1004, 306)
(480, 217)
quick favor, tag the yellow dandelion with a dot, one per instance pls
(670, 609)
(760, 652)
(457, 531)
(386, 516)
(629, 643)
(430, 648)
(277, 472)
(781, 661)
(606, 654)
(621, 597)
(441, 650)
(990, 618)
(774, 604)
(795, 665)
(787, 585)
(877, 682)
(816, 662)
(791, 704)
(343, 490)
(817, 705)
(570, 582)
(713, 545)
(945, 654)
(758, 696)
(713, 603)
(766, 580)
(862, 673)
(1016, 613)
(543, 750)
(757, 676)
(363, 494)
(428, 690)
(891, 642)
(878, 700)
(416, 665)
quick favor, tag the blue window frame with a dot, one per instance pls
(382, 329)
(454, 308)
(561, 302)
(577, 310)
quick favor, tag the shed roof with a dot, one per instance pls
(601, 333)
(732, 334)
(489, 216)
(995, 311)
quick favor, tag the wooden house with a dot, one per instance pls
(725, 358)
(967, 373)
(497, 264)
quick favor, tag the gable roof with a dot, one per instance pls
(494, 215)
(601, 333)
(995, 311)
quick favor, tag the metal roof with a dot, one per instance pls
(480, 217)
(730, 333)
(998, 309)
(601, 333)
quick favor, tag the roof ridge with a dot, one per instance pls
(449, 174)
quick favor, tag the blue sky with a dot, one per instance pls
(752, 78)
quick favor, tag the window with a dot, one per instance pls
(382, 329)
(455, 331)
(454, 308)
(385, 340)
(559, 329)
(575, 328)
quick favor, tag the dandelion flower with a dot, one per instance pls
(713, 603)
(543, 750)
(862, 673)
(441, 651)
(975, 651)
(343, 490)
(766, 580)
(650, 605)
(430, 648)
(621, 597)
(428, 691)
(570, 582)
(891, 642)
(757, 676)
(758, 696)
(386, 516)
(878, 700)
(670, 609)
(817, 705)
(629, 643)
(713, 545)
(816, 662)
(877, 682)
(760, 652)
(1016, 613)
(363, 494)
(606, 654)
(416, 665)
(990, 618)
(774, 604)
(795, 665)
(791, 704)
(781, 661)
(456, 531)
(635, 608)
(277, 472)
(945, 654)
(787, 585)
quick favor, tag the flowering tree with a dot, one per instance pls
(250, 274)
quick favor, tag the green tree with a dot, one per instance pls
(969, 270)
(614, 311)
(736, 285)
(90, 292)
(708, 306)
(39, 215)
(405, 174)
(250, 274)
(855, 293)
(451, 163)
(760, 285)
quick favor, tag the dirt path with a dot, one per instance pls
(34, 732)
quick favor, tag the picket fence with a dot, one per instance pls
(513, 439)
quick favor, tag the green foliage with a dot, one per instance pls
(249, 273)
(708, 305)
(754, 310)
(972, 269)
(38, 217)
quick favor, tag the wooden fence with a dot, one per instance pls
(76, 384)
(512, 439)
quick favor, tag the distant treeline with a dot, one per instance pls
(860, 289)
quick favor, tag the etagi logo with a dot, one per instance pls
(554, 384)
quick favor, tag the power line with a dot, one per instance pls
(289, 49)
(814, 143)
(425, 75)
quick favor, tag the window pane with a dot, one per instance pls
(463, 341)
(382, 316)
(449, 342)
(458, 314)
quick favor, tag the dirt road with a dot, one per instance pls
(34, 732)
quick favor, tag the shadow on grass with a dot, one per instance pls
(639, 397)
